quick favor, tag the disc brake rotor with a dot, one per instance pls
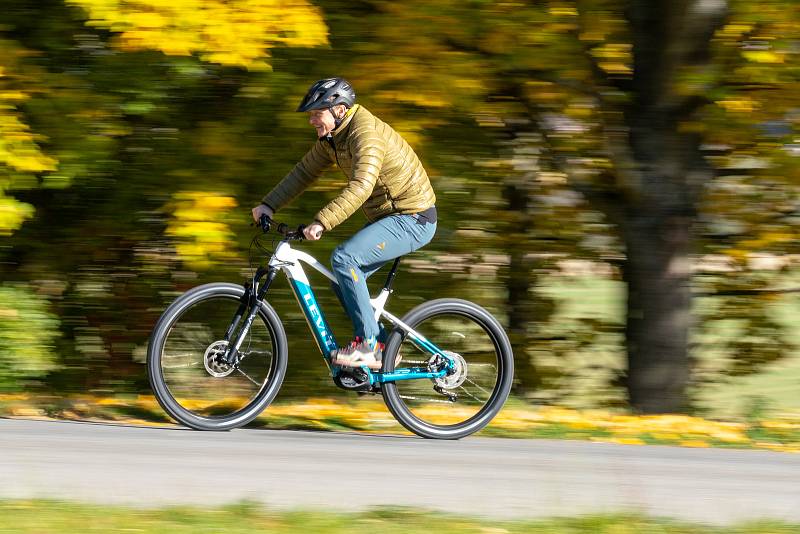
(459, 374)
(214, 360)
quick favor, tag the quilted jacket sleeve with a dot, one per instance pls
(368, 149)
(300, 178)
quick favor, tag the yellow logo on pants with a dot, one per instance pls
(355, 276)
(382, 245)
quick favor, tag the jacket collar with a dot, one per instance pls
(346, 121)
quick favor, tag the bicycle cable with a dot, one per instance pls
(256, 242)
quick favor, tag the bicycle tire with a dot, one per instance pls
(269, 388)
(477, 317)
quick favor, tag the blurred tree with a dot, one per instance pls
(749, 214)
(20, 155)
(628, 98)
(131, 131)
(116, 144)
(660, 171)
(27, 331)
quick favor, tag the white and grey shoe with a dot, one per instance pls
(358, 353)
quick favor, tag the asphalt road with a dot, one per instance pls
(480, 477)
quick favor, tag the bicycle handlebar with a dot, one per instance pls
(265, 223)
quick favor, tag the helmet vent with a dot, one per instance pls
(327, 93)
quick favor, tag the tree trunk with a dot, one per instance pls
(663, 170)
(657, 274)
(520, 280)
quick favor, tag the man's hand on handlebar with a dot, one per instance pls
(313, 231)
(263, 214)
(262, 209)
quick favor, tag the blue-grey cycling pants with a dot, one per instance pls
(370, 248)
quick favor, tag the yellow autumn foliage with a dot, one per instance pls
(197, 226)
(18, 148)
(740, 105)
(614, 58)
(229, 32)
(763, 56)
(563, 11)
(371, 415)
(12, 214)
(19, 152)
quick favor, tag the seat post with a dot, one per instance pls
(392, 273)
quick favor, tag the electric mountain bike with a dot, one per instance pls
(218, 353)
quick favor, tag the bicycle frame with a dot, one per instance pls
(290, 261)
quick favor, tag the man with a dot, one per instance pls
(385, 178)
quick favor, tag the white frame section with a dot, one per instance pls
(288, 260)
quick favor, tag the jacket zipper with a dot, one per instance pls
(329, 139)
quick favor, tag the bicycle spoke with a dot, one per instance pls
(247, 376)
(462, 388)
(476, 385)
(261, 352)
(425, 399)
(191, 364)
(475, 373)
(181, 365)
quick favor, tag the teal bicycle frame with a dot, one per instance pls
(290, 261)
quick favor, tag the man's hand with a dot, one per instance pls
(261, 209)
(313, 231)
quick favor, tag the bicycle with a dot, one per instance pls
(218, 354)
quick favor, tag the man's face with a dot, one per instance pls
(322, 120)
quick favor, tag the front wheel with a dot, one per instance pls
(466, 400)
(188, 374)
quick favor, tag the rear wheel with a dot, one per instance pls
(464, 401)
(188, 375)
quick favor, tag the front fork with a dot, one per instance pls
(250, 303)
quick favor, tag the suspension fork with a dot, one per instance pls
(250, 302)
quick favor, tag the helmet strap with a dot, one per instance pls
(336, 120)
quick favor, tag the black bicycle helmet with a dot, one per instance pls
(327, 93)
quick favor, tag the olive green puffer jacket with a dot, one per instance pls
(385, 175)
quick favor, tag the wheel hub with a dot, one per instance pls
(214, 360)
(457, 376)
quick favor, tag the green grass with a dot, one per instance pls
(55, 517)
(776, 387)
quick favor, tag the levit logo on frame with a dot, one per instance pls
(318, 320)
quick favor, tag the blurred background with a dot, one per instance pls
(616, 181)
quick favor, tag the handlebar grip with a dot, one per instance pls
(282, 228)
(264, 222)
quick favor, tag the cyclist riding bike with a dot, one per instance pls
(385, 178)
